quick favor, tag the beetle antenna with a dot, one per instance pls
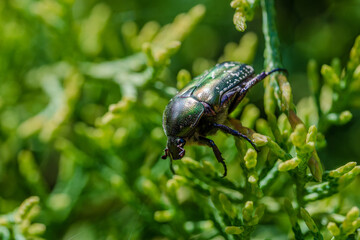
(261, 76)
(278, 70)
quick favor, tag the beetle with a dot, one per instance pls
(202, 107)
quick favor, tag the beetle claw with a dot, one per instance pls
(278, 70)
(225, 169)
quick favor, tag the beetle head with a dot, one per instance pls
(180, 119)
(175, 148)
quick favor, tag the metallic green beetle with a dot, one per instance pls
(201, 108)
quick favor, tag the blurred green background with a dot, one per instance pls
(64, 62)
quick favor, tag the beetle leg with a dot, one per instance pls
(208, 109)
(166, 150)
(216, 151)
(235, 133)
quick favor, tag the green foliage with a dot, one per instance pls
(81, 102)
(18, 224)
(244, 11)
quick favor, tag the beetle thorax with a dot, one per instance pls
(181, 116)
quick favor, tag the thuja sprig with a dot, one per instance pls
(278, 89)
(244, 11)
(278, 92)
(18, 224)
(347, 227)
(151, 48)
(62, 83)
(243, 52)
(168, 40)
(337, 90)
(310, 224)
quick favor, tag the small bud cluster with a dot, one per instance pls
(19, 222)
(244, 11)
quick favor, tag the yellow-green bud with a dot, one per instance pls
(183, 78)
(180, 179)
(333, 229)
(330, 76)
(164, 216)
(289, 164)
(234, 230)
(36, 229)
(250, 158)
(342, 170)
(354, 55)
(298, 137)
(172, 185)
(348, 177)
(308, 147)
(239, 21)
(148, 32)
(269, 102)
(25, 208)
(206, 225)
(345, 117)
(122, 106)
(3, 221)
(347, 226)
(172, 48)
(249, 115)
(260, 140)
(277, 150)
(149, 186)
(248, 211)
(353, 214)
(236, 3)
(253, 179)
(59, 201)
(197, 12)
(356, 224)
(286, 94)
(312, 134)
(161, 56)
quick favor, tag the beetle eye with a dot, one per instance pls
(180, 141)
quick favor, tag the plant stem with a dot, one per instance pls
(272, 43)
(278, 83)
(279, 87)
